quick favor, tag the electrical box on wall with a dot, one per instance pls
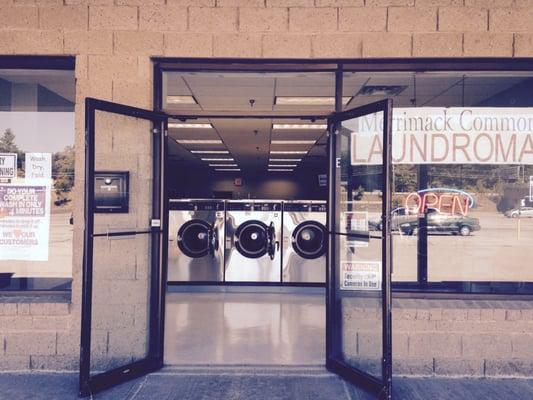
(111, 191)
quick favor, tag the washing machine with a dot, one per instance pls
(253, 236)
(304, 241)
(196, 241)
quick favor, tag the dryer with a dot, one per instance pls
(196, 241)
(304, 241)
(253, 236)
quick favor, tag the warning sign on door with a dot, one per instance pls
(360, 275)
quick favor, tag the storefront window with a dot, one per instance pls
(36, 179)
(463, 175)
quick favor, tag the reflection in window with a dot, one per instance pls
(36, 179)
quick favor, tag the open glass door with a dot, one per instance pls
(122, 310)
(358, 318)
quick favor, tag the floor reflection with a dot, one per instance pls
(245, 328)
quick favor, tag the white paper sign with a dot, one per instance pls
(8, 165)
(355, 222)
(433, 135)
(360, 275)
(38, 166)
(24, 222)
(531, 188)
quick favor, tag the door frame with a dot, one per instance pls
(90, 384)
(333, 318)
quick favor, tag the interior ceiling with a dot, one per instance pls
(60, 82)
(249, 140)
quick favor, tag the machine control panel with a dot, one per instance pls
(253, 206)
(304, 207)
(196, 205)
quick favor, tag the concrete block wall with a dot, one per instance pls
(113, 41)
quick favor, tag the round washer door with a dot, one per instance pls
(309, 240)
(193, 238)
(251, 239)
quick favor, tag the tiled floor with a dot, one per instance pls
(245, 328)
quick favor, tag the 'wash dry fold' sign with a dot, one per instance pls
(446, 136)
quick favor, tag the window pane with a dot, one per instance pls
(36, 179)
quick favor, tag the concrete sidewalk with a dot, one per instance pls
(259, 384)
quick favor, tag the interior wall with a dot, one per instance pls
(297, 185)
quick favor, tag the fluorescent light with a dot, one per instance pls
(308, 100)
(217, 159)
(181, 100)
(281, 165)
(285, 159)
(227, 169)
(299, 126)
(210, 151)
(287, 152)
(293, 141)
(280, 170)
(223, 165)
(198, 141)
(181, 125)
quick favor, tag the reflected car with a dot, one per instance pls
(398, 216)
(438, 222)
(524, 212)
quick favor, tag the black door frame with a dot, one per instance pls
(90, 384)
(333, 313)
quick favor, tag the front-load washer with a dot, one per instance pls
(196, 241)
(253, 235)
(304, 241)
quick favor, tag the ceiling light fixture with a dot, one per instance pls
(227, 169)
(182, 125)
(293, 141)
(181, 100)
(217, 159)
(285, 159)
(199, 141)
(280, 170)
(299, 126)
(282, 165)
(308, 100)
(223, 165)
(287, 152)
(210, 151)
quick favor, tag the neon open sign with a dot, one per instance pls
(453, 201)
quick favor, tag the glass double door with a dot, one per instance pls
(124, 273)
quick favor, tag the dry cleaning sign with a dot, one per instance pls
(8, 166)
(24, 222)
(430, 135)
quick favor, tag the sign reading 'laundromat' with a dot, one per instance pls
(446, 136)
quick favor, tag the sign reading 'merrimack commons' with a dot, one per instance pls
(446, 136)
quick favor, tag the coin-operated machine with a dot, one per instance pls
(304, 241)
(253, 236)
(196, 241)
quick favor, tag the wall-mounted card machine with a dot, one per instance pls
(111, 192)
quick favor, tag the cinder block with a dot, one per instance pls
(23, 308)
(412, 19)
(119, 18)
(237, 45)
(8, 308)
(463, 19)
(64, 17)
(336, 45)
(422, 315)
(508, 368)
(474, 314)
(14, 363)
(112, 316)
(387, 45)
(49, 309)
(434, 344)
(367, 19)
(28, 342)
(440, 3)
(522, 345)
(454, 314)
(136, 93)
(513, 315)
(488, 3)
(112, 67)
(491, 345)
(400, 344)
(139, 2)
(89, 42)
(36, 42)
(459, 367)
(197, 3)
(205, 19)
(520, 3)
(240, 3)
(163, 18)
(188, 45)
(339, 3)
(488, 45)
(511, 20)
(290, 3)
(19, 17)
(439, 45)
(412, 366)
(287, 45)
(132, 343)
(15, 322)
(388, 3)
(56, 362)
(263, 19)
(312, 19)
(435, 314)
(51, 322)
(132, 42)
